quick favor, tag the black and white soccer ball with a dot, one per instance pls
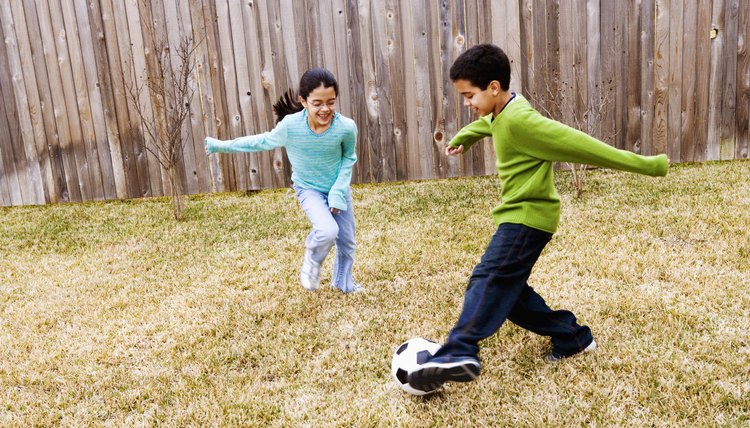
(410, 356)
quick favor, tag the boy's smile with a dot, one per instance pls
(482, 101)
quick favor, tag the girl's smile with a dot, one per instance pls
(321, 108)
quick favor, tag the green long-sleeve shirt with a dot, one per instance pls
(526, 145)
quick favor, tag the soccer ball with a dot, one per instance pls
(410, 356)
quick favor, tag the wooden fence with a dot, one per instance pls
(674, 77)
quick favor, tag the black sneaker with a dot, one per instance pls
(553, 357)
(433, 374)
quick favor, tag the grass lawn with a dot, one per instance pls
(113, 314)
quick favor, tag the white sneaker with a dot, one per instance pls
(554, 357)
(357, 289)
(309, 276)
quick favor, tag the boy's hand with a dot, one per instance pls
(450, 151)
(335, 211)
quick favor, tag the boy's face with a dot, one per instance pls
(481, 101)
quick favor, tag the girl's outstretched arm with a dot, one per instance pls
(250, 143)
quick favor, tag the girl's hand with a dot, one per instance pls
(335, 211)
(450, 151)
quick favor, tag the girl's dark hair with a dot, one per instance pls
(311, 80)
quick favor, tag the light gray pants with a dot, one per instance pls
(328, 230)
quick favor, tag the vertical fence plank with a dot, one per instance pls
(134, 154)
(526, 38)
(647, 77)
(420, 35)
(462, 116)
(689, 74)
(252, 165)
(227, 92)
(310, 9)
(27, 166)
(452, 42)
(508, 36)
(674, 118)
(267, 96)
(661, 76)
(291, 27)
(702, 93)
(581, 61)
(593, 59)
(36, 154)
(743, 84)
(469, 25)
(49, 146)
(172, 32)
(552, 48)
(397, 71)
(382, 87)
(214, 93)
(568, 65)
(414, 168)
(438, 87)
(325, 36)
(197, 168)
(152, 35)
(340, 21)
(106, 87)
(27, 171)
(364, 41)
(117, 40)
(540, 73)
(634, 76)
(358, 90)
(10, 131)
(727, 139)
(82, 98)
(621, 65)
(484, 163)
(7, 168)
(229, 70)
(605, 103)
(209, 168)
(70, 100)
(259, 102)
(303, 42)
(156, 37)
(716, 80)
(279, 81)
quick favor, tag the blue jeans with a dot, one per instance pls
(328, 230)
(498, 291)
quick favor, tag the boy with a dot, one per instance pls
(526, 145)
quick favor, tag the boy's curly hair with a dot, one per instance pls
(480, 65)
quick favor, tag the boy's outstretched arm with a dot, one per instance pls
(550, 140)
(469, 135)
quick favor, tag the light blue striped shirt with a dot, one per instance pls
(322, 162)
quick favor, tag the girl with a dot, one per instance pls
(320, 144)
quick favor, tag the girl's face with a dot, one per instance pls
(320, 106)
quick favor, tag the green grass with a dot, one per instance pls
(112, 314)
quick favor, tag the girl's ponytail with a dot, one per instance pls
(287, 104)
